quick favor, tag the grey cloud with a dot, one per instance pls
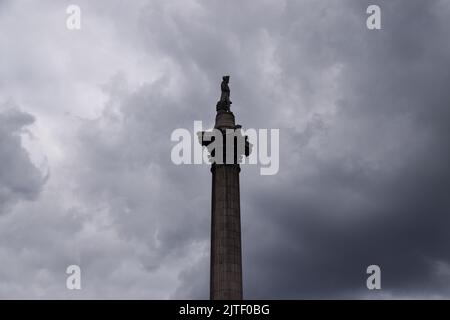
(19, 178)
(363, 118)
(376, 196)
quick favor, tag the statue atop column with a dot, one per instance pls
(224, 103)
(227, 146)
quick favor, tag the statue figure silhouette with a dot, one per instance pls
(224, 102)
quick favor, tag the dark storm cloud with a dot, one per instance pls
(374, 188)
(363, 181)
(380, 197)
(363, 118)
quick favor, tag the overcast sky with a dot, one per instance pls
(86, 176)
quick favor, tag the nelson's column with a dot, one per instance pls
(226, 146)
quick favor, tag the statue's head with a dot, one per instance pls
(226, 78)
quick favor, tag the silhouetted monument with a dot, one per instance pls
(226, 259)
(224, 102)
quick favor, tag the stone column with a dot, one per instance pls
(226, 263)
(226, 259)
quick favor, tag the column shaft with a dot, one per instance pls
(226, 263)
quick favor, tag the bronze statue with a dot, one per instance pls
(224, 103)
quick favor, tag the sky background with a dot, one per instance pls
(86, 176)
